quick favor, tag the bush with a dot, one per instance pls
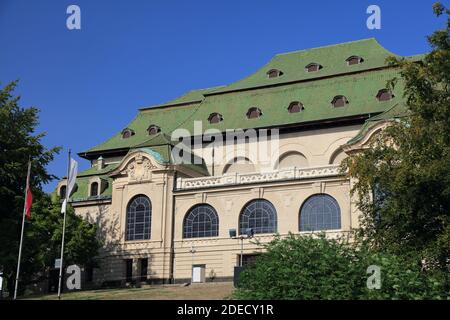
(308, 267)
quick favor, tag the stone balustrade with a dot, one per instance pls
(256, 177)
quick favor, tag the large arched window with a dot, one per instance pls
(320, 212)
(201, 221)
(260, 215)
(139, 215)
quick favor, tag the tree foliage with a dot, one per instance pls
(310, 268)
(402, 187)
(18, 144)
(403, 179)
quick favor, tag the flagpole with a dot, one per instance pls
(64, 229)
(21, 234)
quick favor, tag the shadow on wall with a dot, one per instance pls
(111, 269)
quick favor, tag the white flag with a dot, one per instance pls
(73, 168)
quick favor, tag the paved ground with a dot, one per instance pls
(213, 291)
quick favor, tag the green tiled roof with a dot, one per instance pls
(359, 83)
(167, 119)
(93, 171)
(82, 190)
(331, 58)
(360, 90)
(397, 111)
(187, 98)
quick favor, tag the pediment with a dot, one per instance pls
(137, 167)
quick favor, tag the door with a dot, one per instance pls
(129, 270)
(198, 273)
(53, 281)
(144, 269)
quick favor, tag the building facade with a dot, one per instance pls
(169, 191)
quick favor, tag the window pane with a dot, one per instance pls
(201, 221)
(260, 215)
(138, 219)
(320, 212)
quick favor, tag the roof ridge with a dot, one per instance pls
(326, 46)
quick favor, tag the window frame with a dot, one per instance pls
(250, 110)
(360, 60)
(294, 103)
(200, 210)
(311, 64)
(333, 201)
(338, 97)
(215, 114)
(91, 189)
(247, 212)
(130, 221)
(381, 92)
(151, 127)
(127, 133)
(278, 73)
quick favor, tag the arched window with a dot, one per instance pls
(320, 212)
(339, 101)
(260, 215)
(139, 215)
(384, 95)
(127, 133)
(254, 113)
(354, 60)
(62, 192)
(201, 221)
(215, 117)
(153, 129)
(274, 73)
(295, 106)
(312, 67)
(94, 189)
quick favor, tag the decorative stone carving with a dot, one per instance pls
(247, 178)
(287, 200)
(139, 169)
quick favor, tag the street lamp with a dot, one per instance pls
(192, 251)
(1, 285)
(249, 232)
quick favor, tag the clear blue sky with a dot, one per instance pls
(89, 83)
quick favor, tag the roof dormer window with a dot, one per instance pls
(127, 133)
(339, 101)
(153, 129)
(215, 118)
(384, 95)
(295, 106)
(274, 73)
(354, 60)
(313, 67)
(253, 113)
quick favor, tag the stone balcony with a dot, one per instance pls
(255, 177)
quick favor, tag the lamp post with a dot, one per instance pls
(192, 250)
(1, 285)
(248, 234)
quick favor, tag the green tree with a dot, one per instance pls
(18, 143)
(403, 179)
(43, 240)
(310, 268)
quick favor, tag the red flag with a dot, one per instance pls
(28, 200)
(28, 196)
